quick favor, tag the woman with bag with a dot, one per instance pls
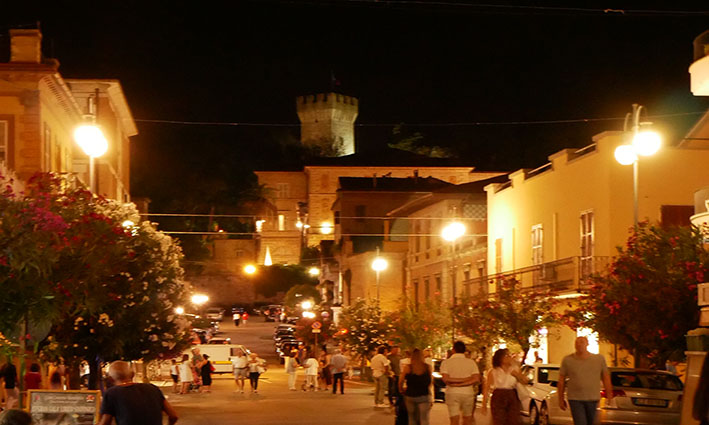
(502, 380)
(257, 366)
(206, 372)
(415, 383)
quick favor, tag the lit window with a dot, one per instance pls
(587, 240)
(282, 190)
(3, 141)
(281, 222)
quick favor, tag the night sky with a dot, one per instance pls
(417, 63)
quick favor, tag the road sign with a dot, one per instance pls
(317, 331)
(316, 325)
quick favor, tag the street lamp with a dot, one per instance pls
(644, 143)
(199, 299)
(249, 269)
(451, 233)
(379, 264)
(91, 140)
(313, 271)
(179, 310)
(306, 305)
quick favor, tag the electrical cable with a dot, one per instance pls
(448, 124)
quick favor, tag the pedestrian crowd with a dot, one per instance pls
(192, 374)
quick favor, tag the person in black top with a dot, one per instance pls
(9, 375)
(206, 372)
(415, 383)
(133, 403)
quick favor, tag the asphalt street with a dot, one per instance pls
(275, 404)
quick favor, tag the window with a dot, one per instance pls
(586, 243)
(360, 212)
(281, 222)
(416, 294)
(239, 253)
(537, 252)
(537, 239)
(47, 149)
(466, 280)
(427, 230)
(454, 287)
(426, 289)
(4, 142)
(439, 286)
(282, 190)
(498, 255)
(337, 217)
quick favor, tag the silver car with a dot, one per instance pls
(641, 397)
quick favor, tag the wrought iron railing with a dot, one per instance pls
(565, 275)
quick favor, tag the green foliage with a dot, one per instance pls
(108, 291)
(648, 300)
(429, 325)
(300, 293)
(512, 315)
(366, 328)
(404, 139)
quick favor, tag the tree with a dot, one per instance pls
(106, 290)
(513, 314)
(648, 300)
(427, 325)
(406, 140)
(364, 328)
(300, 293)
(271, 280)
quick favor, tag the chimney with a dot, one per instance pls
(25, 45)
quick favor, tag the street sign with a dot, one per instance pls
(317, 331)
(316, 325)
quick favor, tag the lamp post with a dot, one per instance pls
(644, 143)
(451, 233)
(379, 264)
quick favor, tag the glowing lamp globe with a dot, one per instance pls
(91, 140)
(250, 269)
(179, 310)
(453, 231)
(314, 271)
(646, 143)
(625, 154)
(379, 264)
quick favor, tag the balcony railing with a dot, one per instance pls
(561, 276)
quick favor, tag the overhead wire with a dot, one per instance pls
(414, 124)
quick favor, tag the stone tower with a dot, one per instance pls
(327, 121)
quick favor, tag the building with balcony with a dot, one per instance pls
(553, 226)
(437, 269)
(699, 70)
(39, 110)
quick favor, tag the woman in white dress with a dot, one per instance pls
(186, 376)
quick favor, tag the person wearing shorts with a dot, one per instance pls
(460, 375)
(241, 370)
(175, 375)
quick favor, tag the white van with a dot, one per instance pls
(219, 354)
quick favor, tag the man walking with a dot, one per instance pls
(338, 363)
(380, 373)
(585, 372)
(395, 366)
(460, 375)
(133, 403)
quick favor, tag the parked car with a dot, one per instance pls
(640, 397)
(219, 341)
(215, 314)
(273, 313)
(439, 387)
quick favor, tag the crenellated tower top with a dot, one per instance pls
(327, 122)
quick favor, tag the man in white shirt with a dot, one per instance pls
(380, 373)
(240, 364)
(460, 375)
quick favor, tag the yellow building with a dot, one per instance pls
(39, 111)
(437, 269)
(552, 226)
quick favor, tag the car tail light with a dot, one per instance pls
(616, 393)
